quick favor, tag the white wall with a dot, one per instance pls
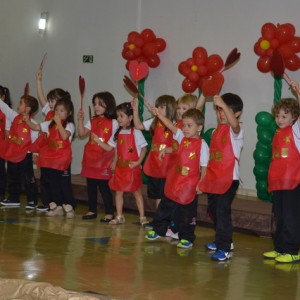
(100, 27)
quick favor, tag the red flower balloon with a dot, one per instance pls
(281, 37)
(143, 47)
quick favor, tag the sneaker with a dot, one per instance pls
(287, 258)
(149, 226)
(171, 234)
(221, 255)
(70, 213)
(143, 221)
(55, 212)
(7, 202)
(152, 235)
(271, 254)
(212, 246)
(184, 244)
(30, 206)
(42, 208)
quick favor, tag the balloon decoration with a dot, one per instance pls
(143, 47)
(205, 72)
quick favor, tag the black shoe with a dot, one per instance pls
(106, 220)
(89, 216)
(11, 203)
(30, 206)
(43, 208)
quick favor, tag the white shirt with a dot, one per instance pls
(237, 141)
(140, 141)
(147, 124)
(46, 108)
(204, 151)
(296, 134)
(70, 127)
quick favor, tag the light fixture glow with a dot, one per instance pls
(43, 22)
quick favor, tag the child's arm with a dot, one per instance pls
(231, 118)
(201, 102)
(168, 123)
(136, 119)
(65, 134)
(9, 113)
(31, 125)
(114, 162)
(82, 131)
(103, 145)
(134, 164)
(203, 172)
(40, 91)
(296, 88)
(163, 152)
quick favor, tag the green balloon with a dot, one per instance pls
(264, 196)
(265, 136)
(260, 171)
(262, 186)
(267, 147)
(264, 118)
(262, 156)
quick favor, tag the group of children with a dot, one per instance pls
(179, 165)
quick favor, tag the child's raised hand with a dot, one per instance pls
(162, 154)
(80, 115)
(295, 86)
(57, 119)
(218, 101)
(39, 74)
(134, 104)
(155, 111)
(133, 164)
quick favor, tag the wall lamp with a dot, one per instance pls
(43, 22)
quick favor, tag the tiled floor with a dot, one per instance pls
(118, 262)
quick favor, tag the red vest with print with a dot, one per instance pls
(125, 178)
(94, 156)
(218, 178)
(2, 127)
(184, 175)
(284, 171)
(16, 146)
(57, 154)
(162, 138)
(49, 116)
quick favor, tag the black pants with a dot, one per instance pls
(3, 178)
(102, 184)
(61, 186)
(286, 208)
(219, 209)
(20, 172)
(46, 193)
(155, 187)
(186, 218)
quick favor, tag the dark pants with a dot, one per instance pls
(20, 172)
(219, 209)
(155, 187)
(102, 184)
(186, 218)
(45, 189)
(286, 208)
(61, 187)
(3, 178)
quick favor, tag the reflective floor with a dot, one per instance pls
(118, 262)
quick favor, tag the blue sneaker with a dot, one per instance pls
(212, 246)
(184, 244)
(221, 255)
(152, 235)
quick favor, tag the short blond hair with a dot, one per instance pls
(188, 99)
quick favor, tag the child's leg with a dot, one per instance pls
(3, 179)
(119, 203)
(106, 196)
(45, 189)
(14, 181)
(139, 202)
(223, 218)
(66, 188)
(30, 182)
(92, 194)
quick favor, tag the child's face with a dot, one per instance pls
(52, 103)
(181, 109)
(99, 107)
(61, 112)
(162, 109)
(222, 119)
(283, 119)
(123, 120)
(190, 128)
(21, 109)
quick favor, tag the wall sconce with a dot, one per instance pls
(43, 22)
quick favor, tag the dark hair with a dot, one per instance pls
(288, 105)
(56, 94)
(233, 101)
(32, 103)
(4, 91)
(127, 110)
(170, 103)
(107, 100)
(194, 114)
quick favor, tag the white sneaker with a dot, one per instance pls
(171, 234)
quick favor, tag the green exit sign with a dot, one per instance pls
(88, 59)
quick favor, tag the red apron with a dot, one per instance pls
(284, 170)
(126, 179)
(184, 175)
(218, 178)
(2, 127)
(161, 139)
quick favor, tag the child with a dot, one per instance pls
(96, 162)
(48, 110)
(182, 179)
(162, 138)
(56, 157)
(130, 150)
(222, 177)
(15, 152)
(284, 181)
(4, 126)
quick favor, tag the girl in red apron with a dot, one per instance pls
(96, 162)
(130, 149)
